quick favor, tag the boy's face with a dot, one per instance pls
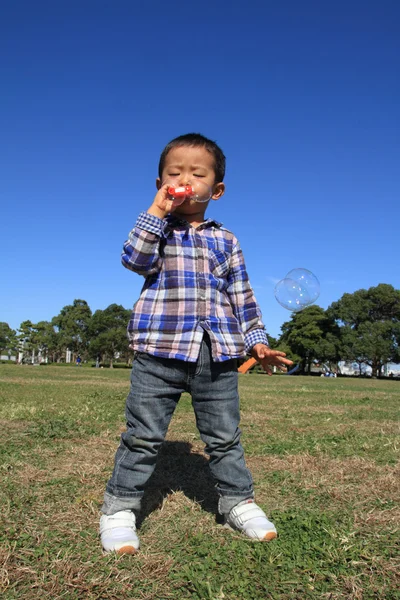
(183, 166)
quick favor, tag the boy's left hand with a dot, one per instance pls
(267, 357)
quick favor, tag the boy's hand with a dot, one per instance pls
(266, 357)
(162, 203)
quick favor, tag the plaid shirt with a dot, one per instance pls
(196, 281)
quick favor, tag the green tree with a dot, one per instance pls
(8, 338)
(107, 332)
(370, 325)
(310, 335)
(25, 339)
(44, 339)
(72, 325)
(36, 338)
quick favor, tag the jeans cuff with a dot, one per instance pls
(113, 504)
(226, 503)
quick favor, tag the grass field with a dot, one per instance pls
(324, 457)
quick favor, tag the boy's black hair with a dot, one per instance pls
(196, 139)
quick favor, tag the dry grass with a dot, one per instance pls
(338, 516)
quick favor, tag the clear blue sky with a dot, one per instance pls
(303, 97)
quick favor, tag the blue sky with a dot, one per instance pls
(303, 97)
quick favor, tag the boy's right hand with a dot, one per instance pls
(162, 203)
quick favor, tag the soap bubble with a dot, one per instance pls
(291, 295)
(202, 192)
(307, 280)
(298, 289)
(195, 190)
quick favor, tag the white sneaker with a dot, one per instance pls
(251, 520)
(118, 532)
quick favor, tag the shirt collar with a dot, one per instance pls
(173, 221)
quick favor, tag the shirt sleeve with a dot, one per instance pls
(141, 252)
(244, 303)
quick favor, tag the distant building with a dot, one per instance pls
(392, 369)
(348, 367)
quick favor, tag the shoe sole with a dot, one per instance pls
(271, 535)
(126, 550)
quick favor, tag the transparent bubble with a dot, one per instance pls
(298, 289)
(196, 190)
(307, 280)
(291, 295)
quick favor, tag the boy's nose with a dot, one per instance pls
(184, 180)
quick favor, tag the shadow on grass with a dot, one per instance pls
(178, 469)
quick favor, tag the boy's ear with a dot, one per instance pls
(158, 183)
(219, 190)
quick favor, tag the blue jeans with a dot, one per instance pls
(156, 386)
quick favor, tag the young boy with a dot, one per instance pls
(195, 316)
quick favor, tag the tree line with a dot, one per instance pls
(99, 335)
(362, 327)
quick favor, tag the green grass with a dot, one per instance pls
(324, 457)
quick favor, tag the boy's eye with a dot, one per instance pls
(197, 175)
(173, 174)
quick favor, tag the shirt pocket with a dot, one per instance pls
(219, 263)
